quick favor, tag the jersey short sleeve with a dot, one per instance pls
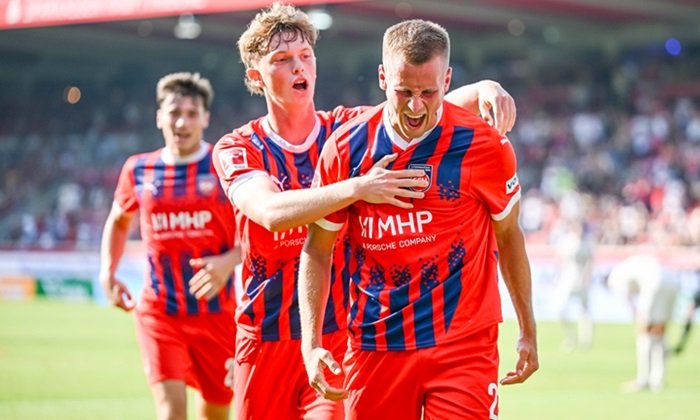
(125, 193)
(236, 158)
(496, 183)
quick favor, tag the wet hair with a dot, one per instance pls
(257, 40)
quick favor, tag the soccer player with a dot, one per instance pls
(651, 291)
(184, 321)
(266, 168)
(425, 305)
(688, 321)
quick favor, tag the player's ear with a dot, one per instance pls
(448, 78)
(254, 76)
(159, 114)
(382, 77)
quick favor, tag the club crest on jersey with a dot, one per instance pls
(206, 184)
(233, 159)
(428, 169)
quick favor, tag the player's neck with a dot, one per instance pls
(293, 124)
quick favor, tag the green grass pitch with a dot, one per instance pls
(76, 360)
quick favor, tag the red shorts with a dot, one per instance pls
(270, 380)
(192, 349)
(457, 380)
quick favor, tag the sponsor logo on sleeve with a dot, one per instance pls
(512, 184)
(233, 159)
(428, 169)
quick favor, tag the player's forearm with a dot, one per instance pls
(515, 269)
(466, 96)
(289, 209)
(314, 271)
(114, 237)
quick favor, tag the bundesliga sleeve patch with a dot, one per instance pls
(511, 184)
(233, 159)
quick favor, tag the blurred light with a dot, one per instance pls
(144, 29)
(516, 27)
(673, 46)
(321, 19)
(72, 94)
(551, 34)
(403, 10)
(187, 27)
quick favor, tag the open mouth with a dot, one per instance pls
(414, 122)
(300, 85)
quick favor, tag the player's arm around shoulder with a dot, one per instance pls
(515, 268)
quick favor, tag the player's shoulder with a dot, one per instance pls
(246, 136)
(140, 159)
(346, 131)
(340, 114)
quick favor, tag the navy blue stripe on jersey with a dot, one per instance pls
(449, 172)
(293, 311)
(158, 177)
(383, 146)
(305, 169)
(180, 184)
(154, 278)
(370, 316)
(169, 281)
(259, 143)
(425, 149)
(453, 288)
(139, 173)
(358, 148)
(330, 324)
(347, 253)
(398, 299)
(423, 306)
(187, 273)
(282, 171)
(273, 304)
(321, 138)
(203, 170)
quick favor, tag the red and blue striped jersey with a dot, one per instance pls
(184, 214)
(269, 307)
(427, 275)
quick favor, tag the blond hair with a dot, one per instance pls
(256, 41)
(185, 84)
(416, 41)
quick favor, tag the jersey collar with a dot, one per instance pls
(294, 148)
(170, 159)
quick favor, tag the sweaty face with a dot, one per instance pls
(287, 73)
(182, 119)
(414, 93)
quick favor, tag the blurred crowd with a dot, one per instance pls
(614, 147)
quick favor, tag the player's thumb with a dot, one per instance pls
(385, 161)
(329, 361)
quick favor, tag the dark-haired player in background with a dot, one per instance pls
(184, 321)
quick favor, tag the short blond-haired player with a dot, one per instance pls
(425, 305)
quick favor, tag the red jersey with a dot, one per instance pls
(426, 275)
(184, 214)
(269, 306)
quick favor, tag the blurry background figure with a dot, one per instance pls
(652, 291)
(689, 315)
(573, 243)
